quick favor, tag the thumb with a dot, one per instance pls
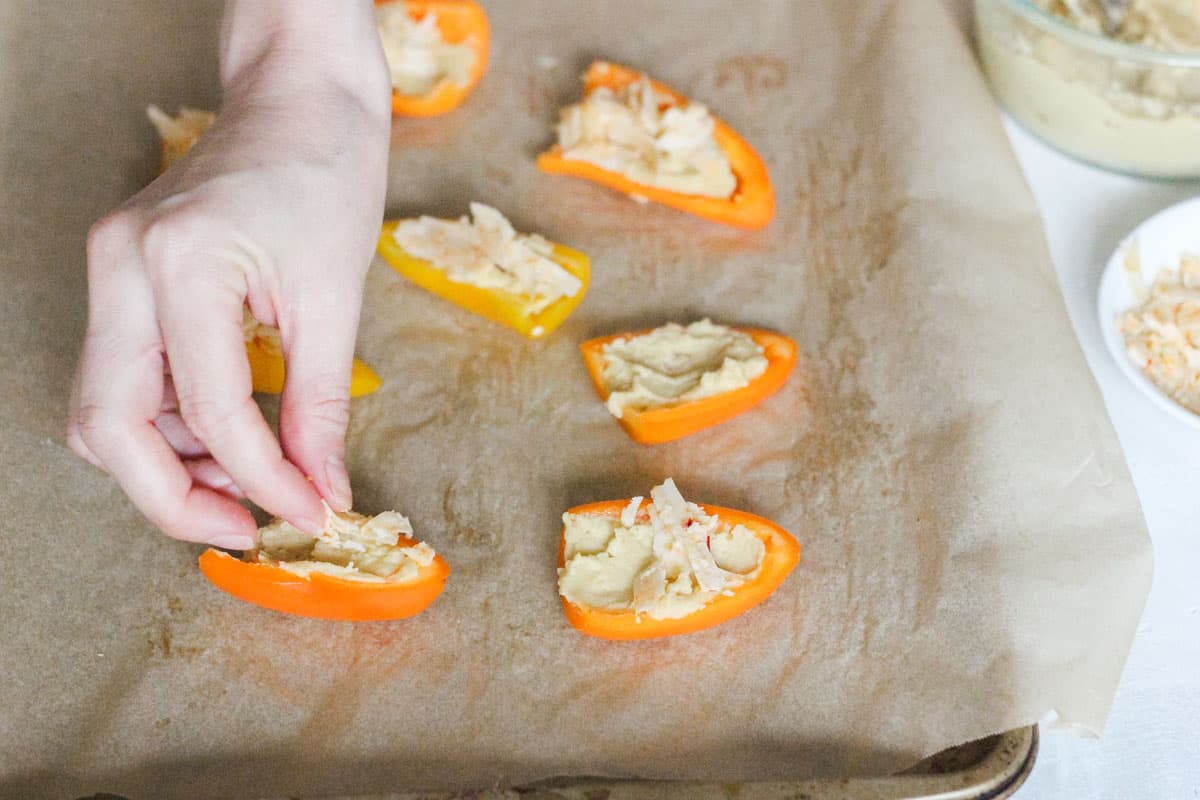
(318, 345)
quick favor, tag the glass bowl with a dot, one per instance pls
(1119, 106)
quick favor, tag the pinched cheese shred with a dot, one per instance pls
(186, 126)
(486, 252)
(179, 132)
(666, 560)
(262, 335)
(675, 363)
(644, 136)
(417, 55)
(349, 545)
(1162, 333)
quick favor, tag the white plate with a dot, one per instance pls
(1162, 240)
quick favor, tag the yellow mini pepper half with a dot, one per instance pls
(506, 308)
(266, 362)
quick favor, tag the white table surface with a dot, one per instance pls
(1151, 744)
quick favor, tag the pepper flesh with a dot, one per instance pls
(781, 554)
(267, 371)
(459, 22)
(499, 306)
(667, 423)
(324, 596)
(752, 204)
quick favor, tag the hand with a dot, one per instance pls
(277, 206)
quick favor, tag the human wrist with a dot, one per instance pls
(285, 53)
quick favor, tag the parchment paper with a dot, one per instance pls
(974, 555)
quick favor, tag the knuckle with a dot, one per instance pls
(208, 417)
(75, 442)
(333, 410)
(107, 238)
(92, 426)
(169, 234)
(110, 230)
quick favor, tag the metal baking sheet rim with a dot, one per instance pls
(995, 776)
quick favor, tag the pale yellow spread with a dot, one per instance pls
(417, 55)
(667, 560)
(488, 253)
(1136, 114)
(674, 364)
(349, 546)
(1162, 334)
(633, 132)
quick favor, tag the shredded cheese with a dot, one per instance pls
(180, 132)
(668, 562)
(265, 336)
(647, 138)
(1162, 332)
(486, 252)
(674, 364)
(418, 57)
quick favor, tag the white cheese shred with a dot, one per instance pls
(1162, 331)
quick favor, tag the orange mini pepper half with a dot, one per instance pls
(752, 204)
(459, 22)
(499, 306)
(324, 596)
(780, 557)
(667, 423)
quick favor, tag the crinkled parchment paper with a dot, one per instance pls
(974, 555)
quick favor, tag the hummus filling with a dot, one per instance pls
(667, 559)
(349, 546)
(638, 133)
(486, 252)
(674, 364)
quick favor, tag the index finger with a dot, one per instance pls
(202, 330)
(118, 390)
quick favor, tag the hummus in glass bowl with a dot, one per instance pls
(1113, 83)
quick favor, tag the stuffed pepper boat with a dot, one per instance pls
(355, 568)
(672, 381)
(437, 50)
(483, 265)
(637, 136)
(635, 570)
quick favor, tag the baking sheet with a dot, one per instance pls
(974, 555)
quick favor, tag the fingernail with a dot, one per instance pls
(233, 541)
(338, 482)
